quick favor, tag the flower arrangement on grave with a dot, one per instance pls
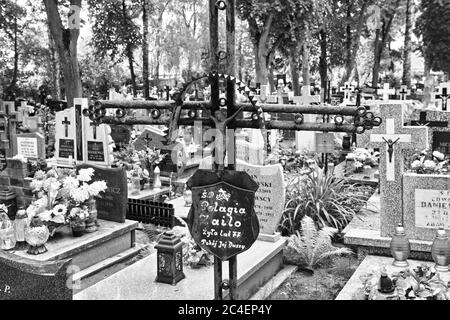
(59, 191)
(419, 283)
(428, 162)
(363, 157)
(195, 256)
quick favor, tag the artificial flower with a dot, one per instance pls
(416, 164)
(59, 210)
(429, 164)
(85, 175)
(71, 183)
(438, 155)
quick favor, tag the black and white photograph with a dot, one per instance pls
(241, 152)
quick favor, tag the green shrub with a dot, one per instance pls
(312, 247)
(328, 200)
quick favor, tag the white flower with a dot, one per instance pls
(429, 164)
(80, 194)
(96, 187)
(41, 202)
(59, 210)
(416, 164)
(85, 175)
(358, 164)
(37, 185)
(4, 208)
(350, 156)
(46, 215)
(438, 155)
(71, 183)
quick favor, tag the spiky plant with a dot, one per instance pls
(329, 200)
(312, 247)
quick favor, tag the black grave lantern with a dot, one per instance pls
(170, 259)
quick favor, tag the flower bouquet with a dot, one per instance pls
(59, 191)
(427, 162)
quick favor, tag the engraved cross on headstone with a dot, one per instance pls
(391, 160)
(66, 123)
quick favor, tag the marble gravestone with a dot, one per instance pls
(113, 203)
(66, 144)
(386, 92)
(151, 137)
(97, 143)
(29, 145)
(269, 198)
(426, 204)
(26, 279)
(400, 137)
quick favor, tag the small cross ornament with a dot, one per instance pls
(347, 89)
(444, 91)
(386, 91)
(404, 92)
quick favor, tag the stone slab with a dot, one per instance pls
(375, 262)
(426, 204)
(137, 282)
(64, 245)
(265, 291)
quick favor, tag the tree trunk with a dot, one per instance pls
(350, 65)
(376, 59)
(407, 49)
(305, 63)
(145, 51)
(66, 41)
(56, 69)
(386, 27)
(129, 52)
(428, 88)
(294, 74)
(261, 48)
(323, 64)
(13, 85)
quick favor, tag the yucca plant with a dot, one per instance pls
(329, 200)
(311, 247)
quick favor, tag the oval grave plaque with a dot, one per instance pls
(222, 219)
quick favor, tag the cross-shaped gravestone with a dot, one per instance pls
(66, 124)
(392, 138)
(444, 90)
(306, 139)
(386, 91)
(404, 92)
(347, 89)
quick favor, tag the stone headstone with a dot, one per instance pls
(386, 92)
(8, 107)
(270, 196)
(391, 167)
(26, 279)
(31, 123)
(441, 142)
(151, 137)
(249, 152)
(66, 144)
(426, 205)
(97, 143)
(113, 204)
(29, 145)
(324, 142)
(403, 93)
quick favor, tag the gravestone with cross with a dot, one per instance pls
(66, 144)
(306, 140)
(347, 89)
(392, 138)
(386, 92)
(442, 96)
(439, 128)
(403, 92)
(151, 137)
(29, 145)
(97, 143)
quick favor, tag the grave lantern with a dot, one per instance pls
(170, 259)
(400, 247)
(440, 251)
